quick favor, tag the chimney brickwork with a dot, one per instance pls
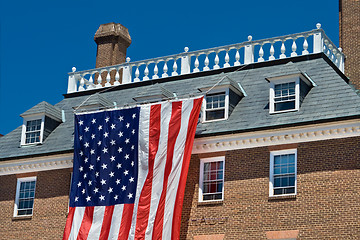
(349, 34)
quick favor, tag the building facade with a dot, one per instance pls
(276, 151)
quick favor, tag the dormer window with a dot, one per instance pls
(33, 131)
(220, 101)
(288, 92)
(39, 122)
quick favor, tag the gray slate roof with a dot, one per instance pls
(44, 108)
(331, 99)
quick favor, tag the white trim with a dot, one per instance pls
(23, 132)
(217, 91)
(36, 164)
(19, 181)
(201, 177)
(274, 82)
(314, 132)
(271, 174)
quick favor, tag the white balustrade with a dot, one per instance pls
(204, 60)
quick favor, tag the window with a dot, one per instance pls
(283, 172)
(32, 132)
(215, 106)
(211, 179)
(25, 194)
(288, 92)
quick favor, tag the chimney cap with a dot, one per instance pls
(112, 30)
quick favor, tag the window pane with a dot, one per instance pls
(284, 106)
(216, 114)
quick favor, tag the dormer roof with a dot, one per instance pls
(46, 109)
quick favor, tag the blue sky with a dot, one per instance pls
(40, 41)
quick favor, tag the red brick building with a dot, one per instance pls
(276, 152)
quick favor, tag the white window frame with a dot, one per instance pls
(273, 82)
(224, 90)
(19, 181)
(23, 133)
(201, 177)
(271, 177)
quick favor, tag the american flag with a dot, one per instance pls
(129, 171)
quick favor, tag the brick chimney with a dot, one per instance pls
(349, 34)
(112, 40)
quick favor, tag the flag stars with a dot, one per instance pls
(104, 166)
(102, 198)
(81, 122)
(100, 127)
(91, 167)
(133, 132)
(127, 125)
(127, 140)
(92, 136)
(112, 158)
(131, 179)
(132, 147)
(132, 163)
(76, 199)
(121, 118)
(79, 184)
(116, 197)
(103, 181)
(99, 143)
(92, 151)
(120, 150)
(123, 188)
(111, 174)
(81, 153)
(98, 158)
(112, 142)
(88, 198)
(80, 138)
(106, 134)
(86, 160)
(118, 165)
(112, 126)
(81, 169)
(134, 115)
(130, 195)
(121, 134)
(93, 121)
(85, 175)
(126, 172)
(127, 156)
(90, 183)
(105, 150)
(83, 191)
(86, 129)
(96, 190)
(97, 174)
(86, 145)
(110, 190)
(117, 181)
(107, 119)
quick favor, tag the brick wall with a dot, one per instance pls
(326, 206)
(50, 207)
(349, 33)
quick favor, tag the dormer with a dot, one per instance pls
(221, 99)
(288, 89)
(94, 103)
(39, 122)
(154, 94)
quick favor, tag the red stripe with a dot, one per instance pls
(105, 228)
(143, 210)
(194, 116)
(86, 223)
(174, 129)
(68, 224)
(126, 221)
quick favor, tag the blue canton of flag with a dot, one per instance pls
(105, 159)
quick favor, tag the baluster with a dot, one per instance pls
(174, 73)
(107, 84)
(196, 65)
(117, 77)
(282, 49)
(216, 61)
(165, 69)
(272, 51)
(146, 73)
(333, 51)
(99, 80)
(227, 59)
(206, 63)
(261, 54)
(91, 81)
(305, 46)
(156, 70)
(293, 48)
(137, 74)
(82, 83)
(237, 58)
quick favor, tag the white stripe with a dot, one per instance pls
(77, 220)
(143, 155)
(116, 222)
(95, 228)
(159, 167)
(174, 177)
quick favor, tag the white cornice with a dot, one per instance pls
(316, 132)
(36, 164)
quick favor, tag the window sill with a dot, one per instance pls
(212, 202)
(284, 111)
(282, 197)
(19, 218)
